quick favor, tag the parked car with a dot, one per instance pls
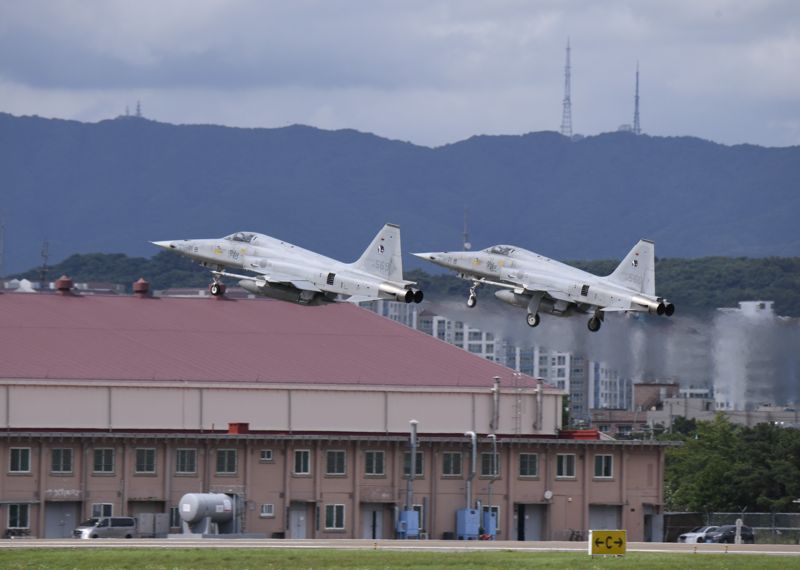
(697, 534)
(107, 527)
(727, 534)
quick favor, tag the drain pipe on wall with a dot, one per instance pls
(412, 467)
(473, 462)
(495, 404)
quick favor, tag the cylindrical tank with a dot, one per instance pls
(195, 507)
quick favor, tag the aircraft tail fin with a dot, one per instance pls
(383, 257)
(637, 271)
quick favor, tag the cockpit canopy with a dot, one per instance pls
(506, 250)
(244, 237)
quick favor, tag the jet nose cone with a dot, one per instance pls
(165, 244)
(430, 256)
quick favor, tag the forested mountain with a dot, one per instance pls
(116, 184)
(696, 286)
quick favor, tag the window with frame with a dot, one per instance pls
(226, 461)
(494, 509)
(565, 465)
(528, 464)
(186, 461)
(146, 460)
(20, 460)
(61, 460)
(421, 510)
(102, 510)
(374, 463)
(490, 464)
(407, 464)
(335, 462)
(452, 462)
(265, 456)
(603, 466)
(18, 516)
(302, 462)
(174, 517)
(104, 460)
(334, 517)
(267, 511)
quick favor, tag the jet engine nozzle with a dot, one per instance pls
(402, 295)
(418, 296)
(653, 307)
(669, 309)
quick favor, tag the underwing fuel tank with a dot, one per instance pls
(513, 298)
(283, 292)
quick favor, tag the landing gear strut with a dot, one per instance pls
(533, 319)
(472, 300)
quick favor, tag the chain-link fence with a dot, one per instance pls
(769, 528)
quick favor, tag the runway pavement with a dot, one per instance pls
(399, 545)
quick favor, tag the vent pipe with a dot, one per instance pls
(412, 466)
(495, 404)
(539, 391)
(473, 461)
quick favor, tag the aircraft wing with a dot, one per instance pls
(275, 278)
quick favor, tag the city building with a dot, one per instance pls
(119, 405)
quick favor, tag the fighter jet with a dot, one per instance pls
(542, 285)
(290, 273)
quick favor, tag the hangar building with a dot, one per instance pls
(122, 404)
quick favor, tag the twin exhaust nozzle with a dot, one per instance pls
(402, 295)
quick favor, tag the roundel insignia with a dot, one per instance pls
(380, 248)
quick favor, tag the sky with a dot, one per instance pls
(430, 72)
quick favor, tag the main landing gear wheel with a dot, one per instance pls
(216, 289)
(594, 324)
(533, 319)
(472, 300)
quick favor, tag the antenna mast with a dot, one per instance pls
(566, 115)
(45, 257)
(2, 246)
(637, 129)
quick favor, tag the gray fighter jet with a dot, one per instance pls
(290, 273)
(542, 285)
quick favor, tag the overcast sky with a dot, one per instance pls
(427, 71)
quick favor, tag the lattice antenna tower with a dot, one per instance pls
(44, 269)
(139, 109)
(2, 245)
(566, 114)
(637, 129)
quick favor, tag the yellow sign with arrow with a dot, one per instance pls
(607, 542)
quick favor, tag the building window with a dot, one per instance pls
(490, 464)
(102, 510)
(451, 463)
(542, 361)
(561, 373)
(265, 456)
(61, 460)
(302, 462)
(496, 510)
(421, 511)
(562, 360)
(407, 464)
(226, 461)
(603, 466)
(565, 465)
(528, 465)
(146, 460)
(334, 517)
(20, 460)
(543, 372)
(174, 517)
(104, 460)
(267, 511)
(186, 461)
(335, 462)
(18, 516)
(373, 463)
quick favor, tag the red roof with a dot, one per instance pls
(105, 338)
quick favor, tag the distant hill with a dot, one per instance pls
(116, 184)
(696, 286)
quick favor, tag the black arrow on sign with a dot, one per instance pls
(598, 543)
(618, 542)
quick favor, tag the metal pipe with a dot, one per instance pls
(494, 467)
(412, 466)
(473, 461)
(495, 404)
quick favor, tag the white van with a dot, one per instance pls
(107, 527)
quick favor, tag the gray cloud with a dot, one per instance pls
(427, 71)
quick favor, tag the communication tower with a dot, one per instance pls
(139, 109)
(566, 115)
(2, 245)
(44, 269)
(637, 129)
(467, 244)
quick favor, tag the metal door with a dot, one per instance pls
(372, 521)
(298, 520)
(530, 521)
(60, 519)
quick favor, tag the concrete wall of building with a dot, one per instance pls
(380, 409)
(635, 481)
